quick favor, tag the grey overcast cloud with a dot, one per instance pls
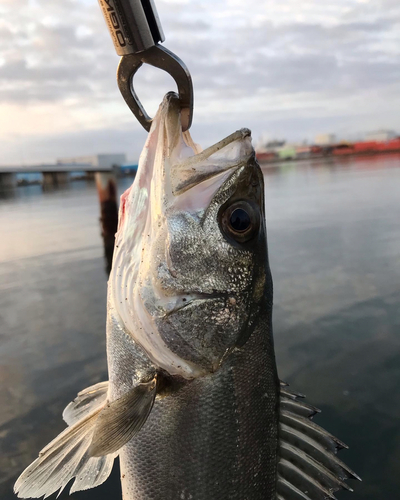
(284, 68)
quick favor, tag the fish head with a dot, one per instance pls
(190, 266)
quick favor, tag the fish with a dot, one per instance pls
(193, 407)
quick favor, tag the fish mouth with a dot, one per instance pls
(230, 152)
(184, 301)
(194, 181)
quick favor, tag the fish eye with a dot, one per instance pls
(240, 221)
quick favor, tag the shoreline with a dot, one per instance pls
(311, 156)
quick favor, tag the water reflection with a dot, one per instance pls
(334, 243)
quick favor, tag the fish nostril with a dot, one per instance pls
(172, 272)
(170, 266)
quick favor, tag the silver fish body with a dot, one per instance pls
(193, 407)
(214, 435)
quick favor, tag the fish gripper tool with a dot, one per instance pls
(136, 31)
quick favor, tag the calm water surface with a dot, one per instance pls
(334, 240)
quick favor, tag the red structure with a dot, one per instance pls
(342, 149)
(266, 156)
(368, 147)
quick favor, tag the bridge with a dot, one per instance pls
(58, 173)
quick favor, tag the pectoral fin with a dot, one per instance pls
(66, 457)
(122, 419)
(88, 400)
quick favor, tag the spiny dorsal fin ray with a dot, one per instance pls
(296, 476)
(120, 420)
(287, 491)
(312, 448)
(306, 426)
(309, 465)
(308, 468)
(284, 391)
(299, 407)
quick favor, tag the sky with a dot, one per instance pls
(283, 68)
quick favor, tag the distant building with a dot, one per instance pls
(325, 139)
(287, 152)
(102, 161)
(381, 136)
(275, 144)
(266, 144)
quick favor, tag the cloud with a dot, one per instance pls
(269, 63)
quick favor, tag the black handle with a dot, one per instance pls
(134, 25)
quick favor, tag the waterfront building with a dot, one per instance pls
(325, 139)
(381, 136)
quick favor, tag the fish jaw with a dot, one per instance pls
(175, 186)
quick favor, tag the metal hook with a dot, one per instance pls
(162, 58)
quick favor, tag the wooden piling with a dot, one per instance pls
(55, 179)
(107, 191)
(8, 180)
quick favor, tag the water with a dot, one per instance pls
(334, 239)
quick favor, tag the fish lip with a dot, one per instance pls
(197, 297)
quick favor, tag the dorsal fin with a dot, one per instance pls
(308, 468)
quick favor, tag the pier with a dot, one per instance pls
(58, 173)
